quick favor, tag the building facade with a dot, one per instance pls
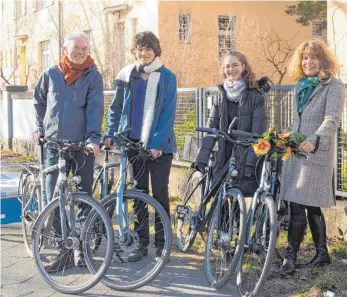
(194, 35)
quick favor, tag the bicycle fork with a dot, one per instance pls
(263, 188)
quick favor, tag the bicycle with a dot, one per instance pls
(30, 193)
(104, 176)
(225, 217)
(262, 228)
(125, 207)
(66, 226)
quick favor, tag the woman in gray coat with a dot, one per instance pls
(308, 183)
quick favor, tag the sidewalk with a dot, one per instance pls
(20, 277)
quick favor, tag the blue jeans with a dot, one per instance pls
(80, 164)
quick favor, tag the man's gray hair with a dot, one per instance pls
(74, 36)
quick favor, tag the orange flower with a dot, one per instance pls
(280, 144)
(285, 134)
(262, 147)
(287, 154)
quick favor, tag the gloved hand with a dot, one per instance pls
(249, 172)
(200, 167)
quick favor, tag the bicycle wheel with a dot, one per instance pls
(30, 210)
(144, 216)
(257, 255)
(225, 238)
(186, 216)
(71, 276)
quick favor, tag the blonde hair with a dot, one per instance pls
(328, 62)
(247, 74)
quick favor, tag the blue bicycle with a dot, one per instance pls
(140, 222)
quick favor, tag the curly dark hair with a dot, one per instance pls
(146, 39)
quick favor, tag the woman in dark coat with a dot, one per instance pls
(241, 97)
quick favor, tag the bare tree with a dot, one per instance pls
(269, 52)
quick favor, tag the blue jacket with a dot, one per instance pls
(161, 135)
(75, 112)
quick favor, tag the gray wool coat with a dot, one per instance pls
(310, 181)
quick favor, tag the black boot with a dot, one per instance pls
(318, 230)
(295, 236)
(137, 254)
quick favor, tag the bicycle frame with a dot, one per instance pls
(207, 195)
(122, 208)
(268, 187)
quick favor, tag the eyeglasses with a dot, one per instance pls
(233, 66)
(83, 49)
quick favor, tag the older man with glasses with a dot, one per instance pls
(69, 103)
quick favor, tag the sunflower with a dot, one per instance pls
(280, 144)
(284, 135)
(262, 147)
(287, 154)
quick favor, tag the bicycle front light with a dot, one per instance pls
(77, 180)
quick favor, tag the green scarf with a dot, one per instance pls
(305, 89)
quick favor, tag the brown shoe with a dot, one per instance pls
(64, 260)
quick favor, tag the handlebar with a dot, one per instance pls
(131, 144)
(68, 145)
(250, 136)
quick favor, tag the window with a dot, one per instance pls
(185, 27)
(44, 3)
(19, 8)
(45, 55)
(34, 5)
(2, 11)
(317, 30)
(226, 34)
(23, 7)
(41, 4)
(22, 65)
(11, 59)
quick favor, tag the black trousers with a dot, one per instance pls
(80, 164)
(298, 214)
(159, 170)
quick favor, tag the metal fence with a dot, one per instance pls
(194, 106)
(341, 156)
(278, 105)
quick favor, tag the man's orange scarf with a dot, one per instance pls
(73, 71)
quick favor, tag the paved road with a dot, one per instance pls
(20, 278)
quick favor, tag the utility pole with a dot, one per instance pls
(60, 28)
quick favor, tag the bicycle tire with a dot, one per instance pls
(42, 224)
(265, 214)
(128, 280)
(29, 212)
(185, 238)
(233, 243)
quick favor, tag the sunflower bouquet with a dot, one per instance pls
(282, 145)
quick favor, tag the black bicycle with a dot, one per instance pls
(218, 204)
